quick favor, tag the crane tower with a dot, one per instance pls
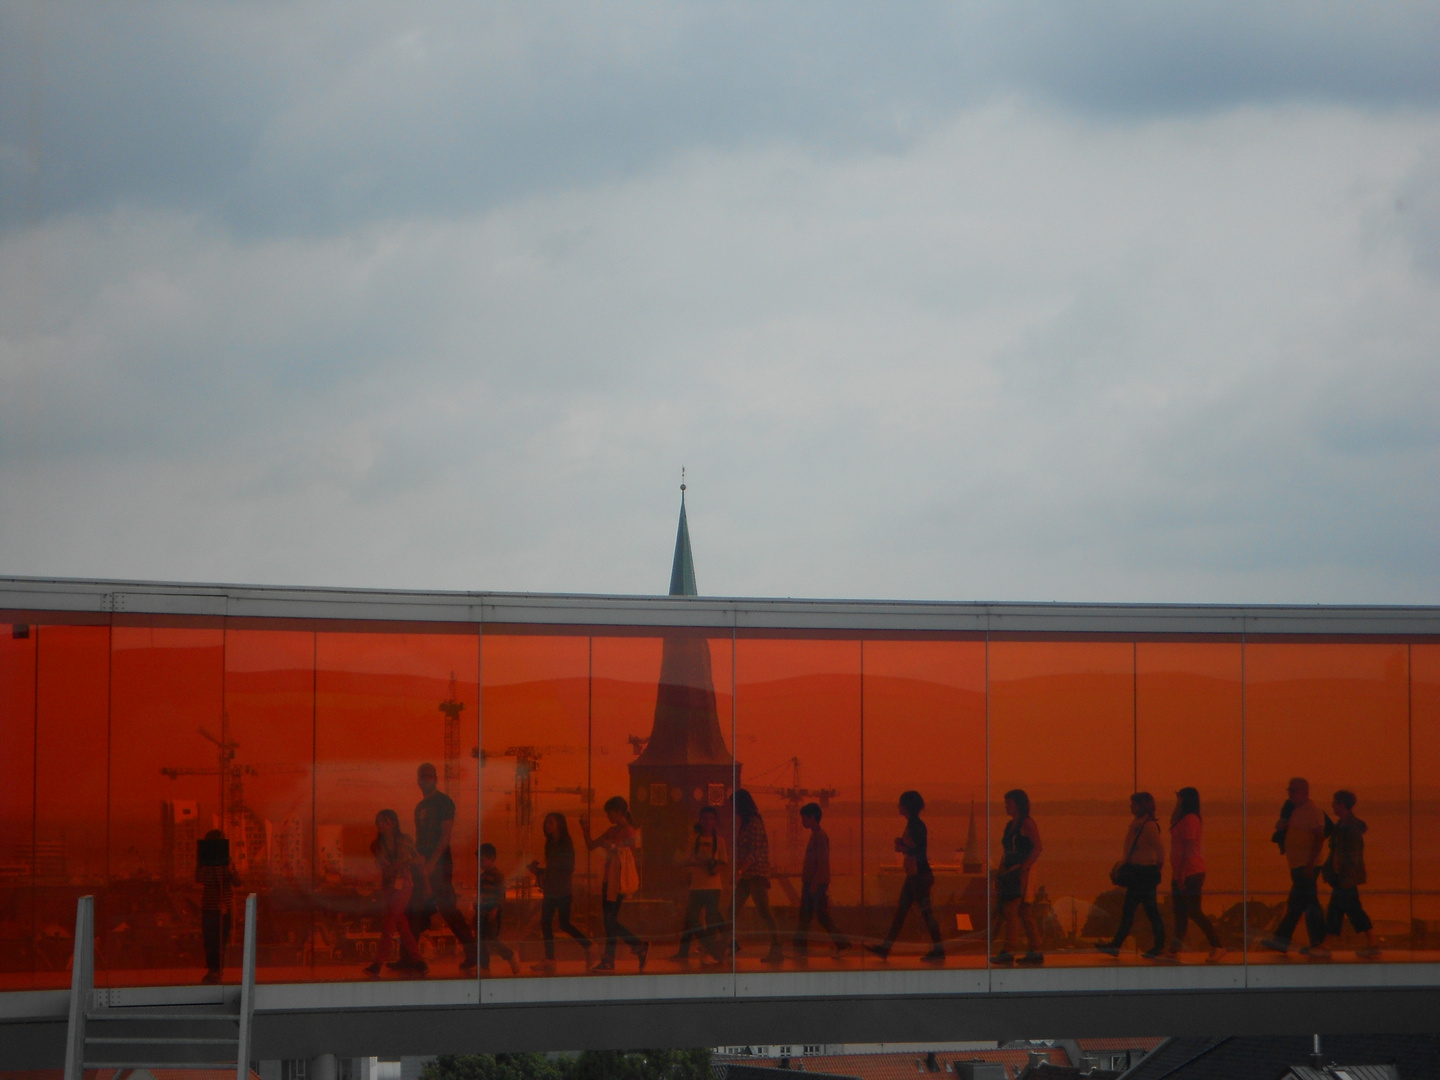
(452, 707)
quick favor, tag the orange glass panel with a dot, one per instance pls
(71, 779)
(1062, 723)
(534, 740)
(1338, 716)
(662, 739)
(18, 940)
(797, 740)
(165, 791)
(925, 730)
(270, 714)
(380, 713)
(1425, 777)
(1188, 734)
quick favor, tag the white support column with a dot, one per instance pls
(247, 992)
(82, 987)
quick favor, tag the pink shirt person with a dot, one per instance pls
(1186, 859)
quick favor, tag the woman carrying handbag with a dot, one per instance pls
(620, 879)
(1139, 875)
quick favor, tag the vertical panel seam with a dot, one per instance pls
(1244, 811)
(864, 911)
(480, 778)
(35, 799)
(314, 771)
(109, 739)
(989, 828)
(734, 786)
(589, 785)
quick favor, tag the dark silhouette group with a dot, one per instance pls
(416, 883)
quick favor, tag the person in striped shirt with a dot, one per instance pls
(752, 869)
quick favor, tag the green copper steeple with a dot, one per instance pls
(682, 571)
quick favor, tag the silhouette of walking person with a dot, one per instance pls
(1301, 836)
(620, 878)
(1187, 874)
(434, 823)
(815, 886)
(919, 879)
(706, 859)
(396, 858)
(752, 869)
(556, 880)
(1139, 873)
(1020, 847)
(1344, 871)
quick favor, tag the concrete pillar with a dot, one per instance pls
(325, 1067)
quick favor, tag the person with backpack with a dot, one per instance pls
(706, 859)
(1302, 839)
(1187, 874)
(912, 844)
(1139, 874)
(620, 878)
(1344, 871)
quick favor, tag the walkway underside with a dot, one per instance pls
(444, 1017)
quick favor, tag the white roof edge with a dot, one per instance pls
(75, 595)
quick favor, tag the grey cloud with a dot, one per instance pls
(1024, 351)
(279, 119)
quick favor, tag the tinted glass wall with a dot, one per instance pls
(681, 800)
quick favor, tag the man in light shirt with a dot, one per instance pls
(1304, 843)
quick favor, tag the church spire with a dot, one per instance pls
(682, 571)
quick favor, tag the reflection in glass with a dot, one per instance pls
(535, 769)
(173, 777)
(387, 705)
(1062, 727)
(125, 750)
(19, 855)
(72, 714)
(924, 730)
(1188, 738)
(1319, 718)
(1425, 801)
(798, 740)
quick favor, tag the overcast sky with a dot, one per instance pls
(996, 302)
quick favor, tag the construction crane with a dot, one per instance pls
(238, 822)
(794, 797)
(452, 707)
(232, 774)
(527, 764)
